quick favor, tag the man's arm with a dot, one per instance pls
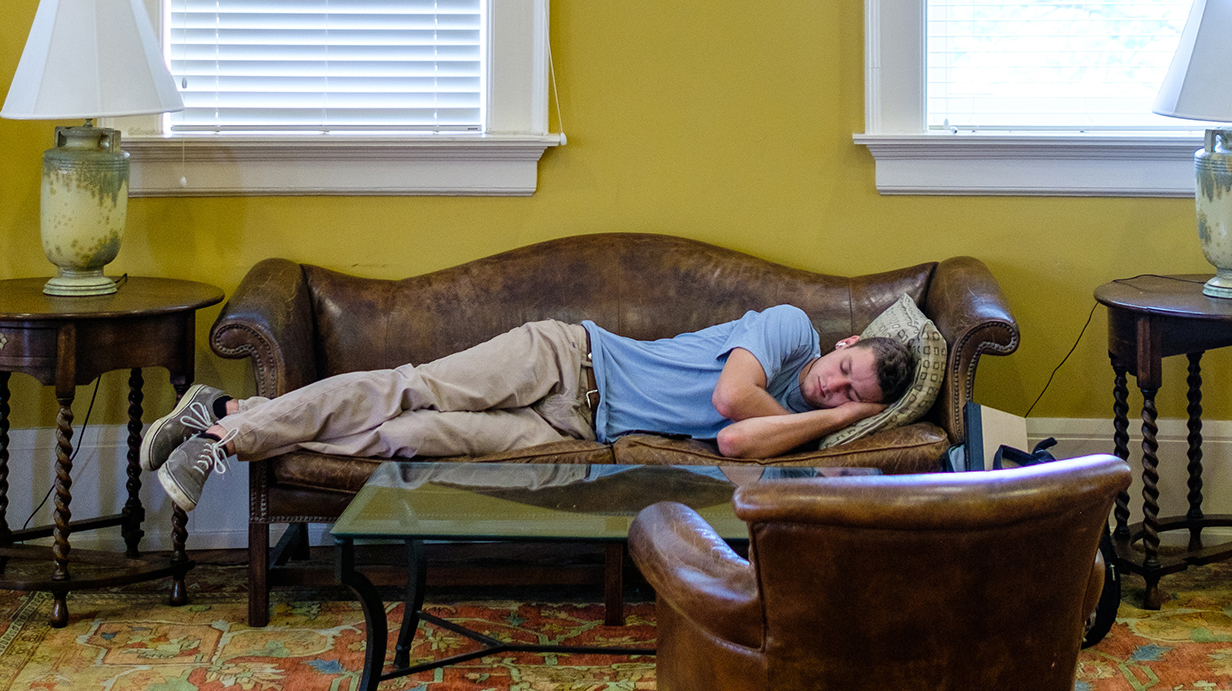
(761, 428)
(774, 435)
(741, 391)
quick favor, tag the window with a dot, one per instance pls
(327, 65)
(359, 97)
(976, 97)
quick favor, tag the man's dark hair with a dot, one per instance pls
(895, 365)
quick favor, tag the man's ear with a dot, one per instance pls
(850, 340)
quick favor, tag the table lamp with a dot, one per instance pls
(87, 59)
(1199, 87)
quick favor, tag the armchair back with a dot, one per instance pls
(937, 581)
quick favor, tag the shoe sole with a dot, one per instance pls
(148, 440)
(173, 490)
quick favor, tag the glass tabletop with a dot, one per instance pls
(479, 501)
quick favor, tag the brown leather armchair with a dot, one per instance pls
(944, 581)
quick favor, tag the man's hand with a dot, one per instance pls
(858, 410)
(774, 435)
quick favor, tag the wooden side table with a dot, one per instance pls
(68, 341)
(1150, 318)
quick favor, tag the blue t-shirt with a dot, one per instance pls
(667, 385)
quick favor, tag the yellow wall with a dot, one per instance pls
(699, 119)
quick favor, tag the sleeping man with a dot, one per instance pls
(758, 385)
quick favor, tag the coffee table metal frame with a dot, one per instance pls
(405, 526)
(377, 623)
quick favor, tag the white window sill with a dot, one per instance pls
(445, 165)
(1033, 165)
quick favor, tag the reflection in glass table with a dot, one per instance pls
(411, 502)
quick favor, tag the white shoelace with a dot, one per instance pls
(197, 417)
(214, 456)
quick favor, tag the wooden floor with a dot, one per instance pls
(220, 557)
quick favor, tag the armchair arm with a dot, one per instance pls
(692, 568)
(972, 313)
(269, 319)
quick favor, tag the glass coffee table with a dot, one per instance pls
(411, 502)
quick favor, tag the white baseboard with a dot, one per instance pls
(100, 488)
(99, 481)
(1079, 437)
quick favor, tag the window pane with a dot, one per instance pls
(1050, 65)
(327, 65)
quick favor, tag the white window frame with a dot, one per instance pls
(503, 161)
(912, 160)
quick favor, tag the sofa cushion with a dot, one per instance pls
(904, 322)
(914, 448)
(312, 470)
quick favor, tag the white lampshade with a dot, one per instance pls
(1199, 81)
(89, 59)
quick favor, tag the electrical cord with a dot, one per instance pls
(1088, 323)
(84, 425)
(1058, 367)
(1170, 278)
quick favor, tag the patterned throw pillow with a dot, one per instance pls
(904, 322)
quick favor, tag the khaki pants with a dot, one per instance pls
(522, 388)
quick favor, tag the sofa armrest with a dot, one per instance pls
(972, 313)
(696, 572)
(269, 319)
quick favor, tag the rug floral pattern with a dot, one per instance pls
(135, 641)
(126, 641)
(1185, 646)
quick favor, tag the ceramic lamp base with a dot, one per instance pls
(1220, 286)
(83, 208)
(1213, 167)
(79, 284)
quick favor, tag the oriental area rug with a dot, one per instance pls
(129, 638)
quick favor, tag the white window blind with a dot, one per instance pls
(327, 65)
(1050, 65)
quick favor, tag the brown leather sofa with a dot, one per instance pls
(298, 323)
(946, 582)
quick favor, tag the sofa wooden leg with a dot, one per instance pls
(613, 584)
(258, 574)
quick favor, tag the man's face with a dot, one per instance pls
(844, 374)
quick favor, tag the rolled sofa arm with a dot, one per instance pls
(971, 312)
(269, 319)
(693, 569)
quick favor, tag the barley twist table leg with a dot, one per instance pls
(1195, 450)
(6, 535)
(63, 515)
(1120, 438)
(179, 534)
(179, 526)
(134, 512)
(1150, 496)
